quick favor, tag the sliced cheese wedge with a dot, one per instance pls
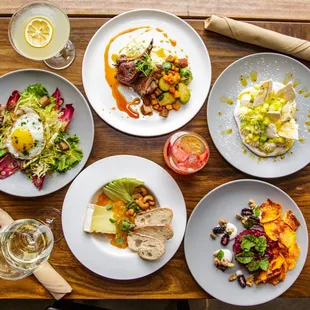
(97, 219)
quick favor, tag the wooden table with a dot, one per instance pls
(174, 279)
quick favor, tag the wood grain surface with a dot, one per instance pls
(292, 10)
(174, 279)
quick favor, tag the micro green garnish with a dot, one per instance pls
(256, 211)
(119, 240)
(125, 225)
(250, 243)
(144, 65)
(109, 207)
(220, 255)
(112, 220)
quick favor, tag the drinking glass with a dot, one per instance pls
(40, 30)
(25, 245)
(186, 152)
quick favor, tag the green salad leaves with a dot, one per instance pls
(249, 257)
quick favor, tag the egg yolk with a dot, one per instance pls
(22, 140)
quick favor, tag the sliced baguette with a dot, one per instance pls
(161, 232)
(154, 217)
(147, 247)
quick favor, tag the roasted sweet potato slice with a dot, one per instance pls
(291, 220)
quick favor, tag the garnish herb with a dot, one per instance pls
(256, 211)
(144, 65)
(109, 207)
(245, 257)
(112, 220)
(220, 254)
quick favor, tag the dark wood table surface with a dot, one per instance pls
(174, 279)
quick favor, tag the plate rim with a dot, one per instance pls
(206, 52)
(242, 181)
(207, 112)
(178, 244)
(40, 194)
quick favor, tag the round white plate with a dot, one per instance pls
(94, 251)
(269, 66)
(99, 92)
(226, 201)
(82, 125)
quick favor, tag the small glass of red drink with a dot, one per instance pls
(186, 152)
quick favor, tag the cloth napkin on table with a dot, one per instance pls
(259, 36)
(46, 274)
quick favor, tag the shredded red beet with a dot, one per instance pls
(257, 233)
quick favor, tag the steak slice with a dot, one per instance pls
(145, 85)
(127, 73)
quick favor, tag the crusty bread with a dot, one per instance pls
(161, 232)
(154, 217)
(147, 247)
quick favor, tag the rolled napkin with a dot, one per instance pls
(46, 274)
(259, 36)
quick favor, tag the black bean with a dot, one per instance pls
(218, 229)
(225, 239)
(246, 212)
(241, 281)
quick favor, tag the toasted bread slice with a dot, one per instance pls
(147, 247)
(154, 217)
(161, 232)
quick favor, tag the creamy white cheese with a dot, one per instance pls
(234, 233)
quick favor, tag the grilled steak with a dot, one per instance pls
(145, 85)
(127, 73)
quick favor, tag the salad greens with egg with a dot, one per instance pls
(34, 135)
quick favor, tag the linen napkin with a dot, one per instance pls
(46, 274)
(248, 33)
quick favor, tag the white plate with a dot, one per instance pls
(82, 125)
(226, 201)
(99, 92)
(95, 251)
(269, 66)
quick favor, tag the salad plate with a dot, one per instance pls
(265, 136)
(140, 63)
(92, 236)
(47, 132)
(200, 246)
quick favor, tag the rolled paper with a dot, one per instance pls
(46, 274)
(249, 33)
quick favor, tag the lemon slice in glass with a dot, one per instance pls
(192, 144)
(39, 31)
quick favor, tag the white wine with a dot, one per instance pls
(26, 244)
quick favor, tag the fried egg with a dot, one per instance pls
(26, 139)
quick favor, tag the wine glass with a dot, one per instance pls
(40, 30)
(25, 245)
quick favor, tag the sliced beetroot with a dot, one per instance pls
(59, 99)
(66, 115)
(8, 165)
(38, 181)
(12, 101)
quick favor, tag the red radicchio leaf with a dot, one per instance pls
(59, 99)
(8, 165)
(67, 114)
(38, 181)
(11, 103)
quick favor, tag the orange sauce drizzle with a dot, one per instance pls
(110, 72)
(119, 213)
(173, 42)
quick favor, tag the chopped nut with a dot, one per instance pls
(63, 146)
(223, 222)
(212, 235)
(44, 101)
(252, 204)
(239, 217)
(250, 281)
(232, 277)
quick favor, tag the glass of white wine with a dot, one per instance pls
(25, 245)
(40, 30)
